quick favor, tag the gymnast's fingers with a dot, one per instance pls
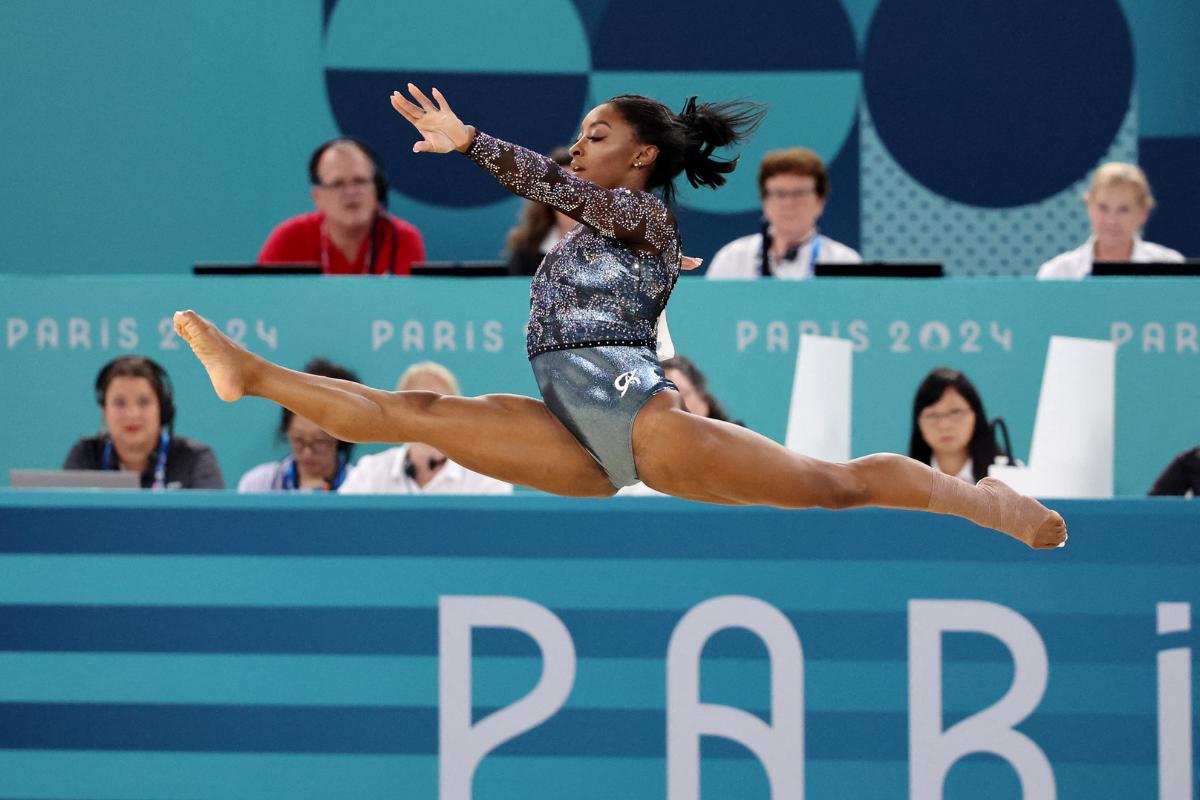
(441, 101)
(407, 110)
(426, 104)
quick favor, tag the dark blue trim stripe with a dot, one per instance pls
(1083, 638)
(1081, 738)
(1114, 532)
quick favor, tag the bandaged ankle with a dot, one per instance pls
(961, 499)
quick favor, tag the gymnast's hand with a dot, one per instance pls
(442, 129)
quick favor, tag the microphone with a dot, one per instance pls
(764, 268)
(434, 464)
(999, 426)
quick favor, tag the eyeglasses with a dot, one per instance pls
(343, 183)
(789, 194)
(934, 417)
(319, 447)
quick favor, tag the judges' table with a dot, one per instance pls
(60, 331)
(175, 645)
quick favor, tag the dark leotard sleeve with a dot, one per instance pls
(637, 218)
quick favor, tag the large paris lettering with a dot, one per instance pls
(780, 745)
(461, 745)
(932, 751)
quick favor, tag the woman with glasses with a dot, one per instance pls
(950, 430)
(793, 185)
(608, 416)
(318, 462)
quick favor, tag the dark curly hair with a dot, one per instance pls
(686, 140)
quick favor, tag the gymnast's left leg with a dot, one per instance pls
(697, 458)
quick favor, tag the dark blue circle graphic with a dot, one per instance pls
(998, 104)
(453, 180)
(748, 36)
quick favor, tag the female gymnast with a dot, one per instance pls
(609, 417)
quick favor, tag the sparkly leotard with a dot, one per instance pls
(595, 300)
(608, 280)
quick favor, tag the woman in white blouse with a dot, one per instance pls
(1118, 204)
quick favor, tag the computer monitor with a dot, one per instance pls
(1158, 269)
(213, 268)
(880, 269)
(460, 269)
(73, 479)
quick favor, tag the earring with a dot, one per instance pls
(637, 164)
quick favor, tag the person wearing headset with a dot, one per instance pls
(418, 468)
(351, 232)
(793, 185)
(318, 462)
(136, 400)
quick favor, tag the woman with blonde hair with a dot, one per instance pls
(417, 467)
(1118, 204)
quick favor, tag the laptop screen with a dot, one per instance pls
(1170, 269)
(255, 269)
(73, 479)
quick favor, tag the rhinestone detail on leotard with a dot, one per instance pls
(606, 282)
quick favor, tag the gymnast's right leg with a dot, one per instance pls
(511, 438)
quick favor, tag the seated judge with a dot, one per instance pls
(950, 429)
(138, 409)
(351, 232)
(416, 467)
(794, 186)
(317, 462)
(1118, 204)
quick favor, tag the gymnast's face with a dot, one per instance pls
(608, 150)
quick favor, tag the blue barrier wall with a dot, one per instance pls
(58, 333)
(215, 646)
(146, 136)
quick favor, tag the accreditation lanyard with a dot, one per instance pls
(816, 251)
(160, 464)
(327, 263)
(291, 478)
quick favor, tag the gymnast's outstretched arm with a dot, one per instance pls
(635, 217)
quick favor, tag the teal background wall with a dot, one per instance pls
(743, 334)
(143, 137)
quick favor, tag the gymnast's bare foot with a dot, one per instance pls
(228, 364)
(1024, 518)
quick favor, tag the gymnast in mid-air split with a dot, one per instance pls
(608, 417)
